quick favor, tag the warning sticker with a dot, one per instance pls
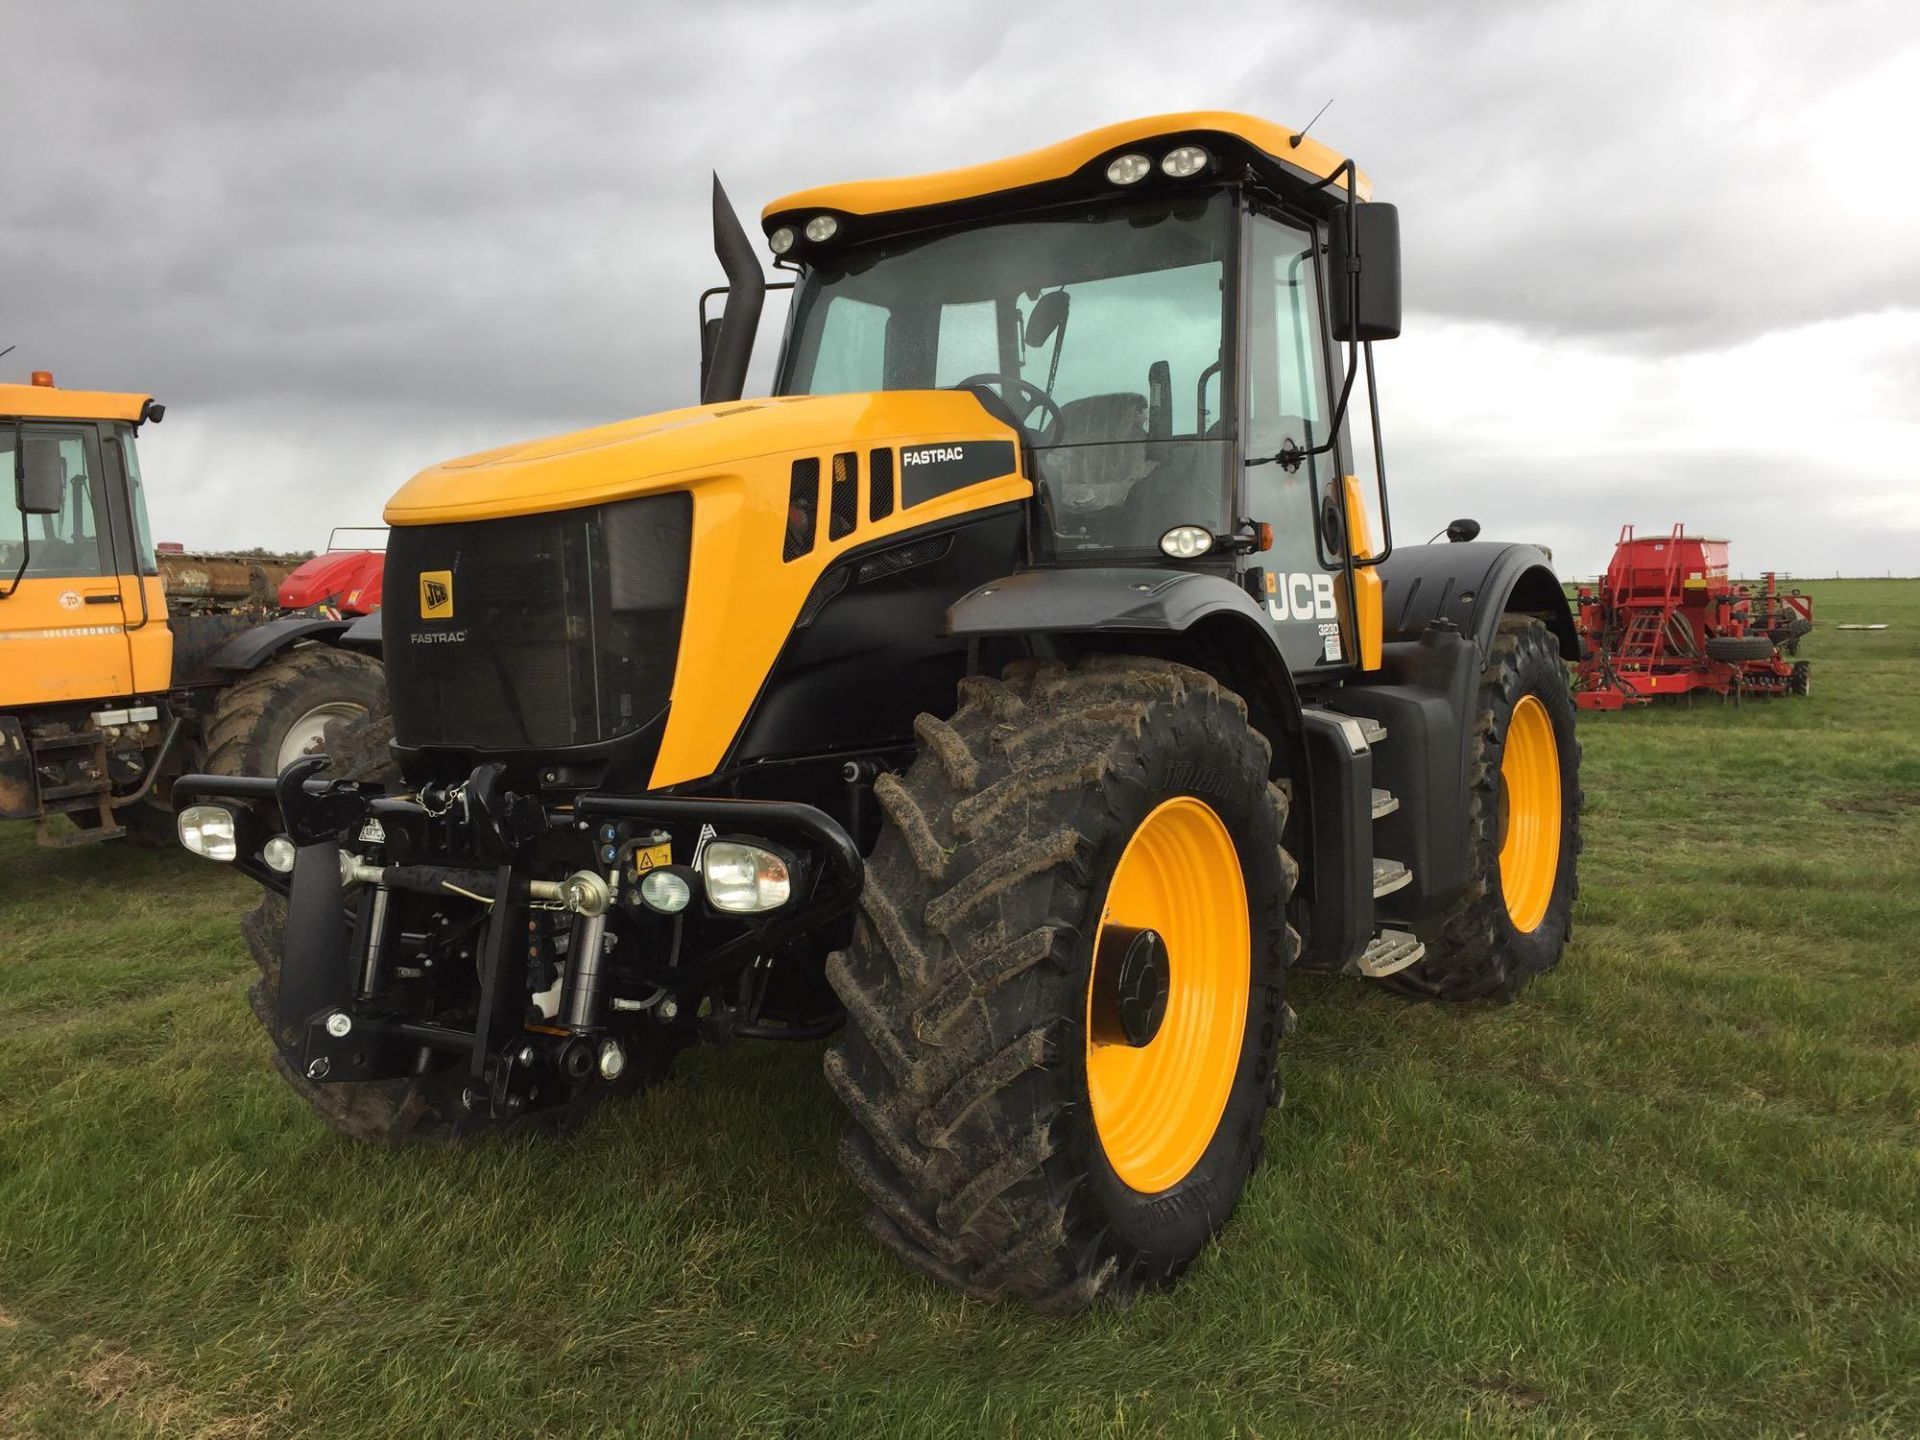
(652, 857)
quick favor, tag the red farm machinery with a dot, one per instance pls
(1666, 620)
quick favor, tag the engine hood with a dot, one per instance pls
(681, 449)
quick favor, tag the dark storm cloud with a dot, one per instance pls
(488, 206)
(345, 240)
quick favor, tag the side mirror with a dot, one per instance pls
(1459, 532)
(40, 482)
(1377, 244)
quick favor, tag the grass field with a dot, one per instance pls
(1674, 1190)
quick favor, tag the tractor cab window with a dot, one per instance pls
(1287, 404)
(143, 555)
(1103, 331)
(64, 545)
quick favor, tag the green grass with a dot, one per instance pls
(1675, 1189)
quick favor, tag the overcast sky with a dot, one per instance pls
(1662, 260)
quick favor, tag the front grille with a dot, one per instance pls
(536, 632)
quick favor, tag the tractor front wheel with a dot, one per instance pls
(1065, 988)
(1523, 830)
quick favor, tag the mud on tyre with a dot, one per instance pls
(286, 705)
(987, 1130)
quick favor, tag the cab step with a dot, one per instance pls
(1389, 876)
(1385, 802)
(1390, 952)
(1372, 729)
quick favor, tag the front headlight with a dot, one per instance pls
(208, 831)
(744, 878)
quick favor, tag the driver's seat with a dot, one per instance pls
(1099, 446)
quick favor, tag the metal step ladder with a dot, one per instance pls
(1391, 950)
(88, 802)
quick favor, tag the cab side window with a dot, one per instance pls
(1286, 390)
(66, 544)
(852, 350)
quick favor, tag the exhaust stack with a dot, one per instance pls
(726, 375)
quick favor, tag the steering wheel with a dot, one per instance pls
(1012, 386)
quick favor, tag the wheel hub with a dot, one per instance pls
(1133, 978)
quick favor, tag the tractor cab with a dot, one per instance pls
(82, 604)
(1161, 322)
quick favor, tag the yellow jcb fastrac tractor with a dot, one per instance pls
(1020, 692)
(120, 668)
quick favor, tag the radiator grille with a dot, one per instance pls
(547, 630)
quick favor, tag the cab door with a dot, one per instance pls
(143, 594)
(62, 627)
(1286, 414)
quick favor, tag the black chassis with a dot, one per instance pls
(415, 954)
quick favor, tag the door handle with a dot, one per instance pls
(112, 597)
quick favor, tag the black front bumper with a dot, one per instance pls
(330, 925)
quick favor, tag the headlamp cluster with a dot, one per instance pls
(1180, 163)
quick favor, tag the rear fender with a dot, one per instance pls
(258, 644)
(1472, 585)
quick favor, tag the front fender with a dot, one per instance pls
(1101, 600)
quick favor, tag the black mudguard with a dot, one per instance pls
(257, 644)
(1104, 600)
(1472, 585)
(363, 635)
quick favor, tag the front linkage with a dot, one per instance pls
(521, 947)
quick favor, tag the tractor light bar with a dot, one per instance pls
(1184, 161)
(1128, 169)
(745, 879)
(209, 832)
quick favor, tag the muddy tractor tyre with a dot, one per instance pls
(1523, 830)
(281, 711)
(420, 1108)
(1738, 649)
(1066, 984)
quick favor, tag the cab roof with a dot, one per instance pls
(1071, 168)
(49, 402)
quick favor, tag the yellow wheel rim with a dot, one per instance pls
(1157, 1105)
(1529, 814)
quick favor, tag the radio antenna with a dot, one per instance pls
(1293, 141)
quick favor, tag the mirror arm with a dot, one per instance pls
(1379, 470)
